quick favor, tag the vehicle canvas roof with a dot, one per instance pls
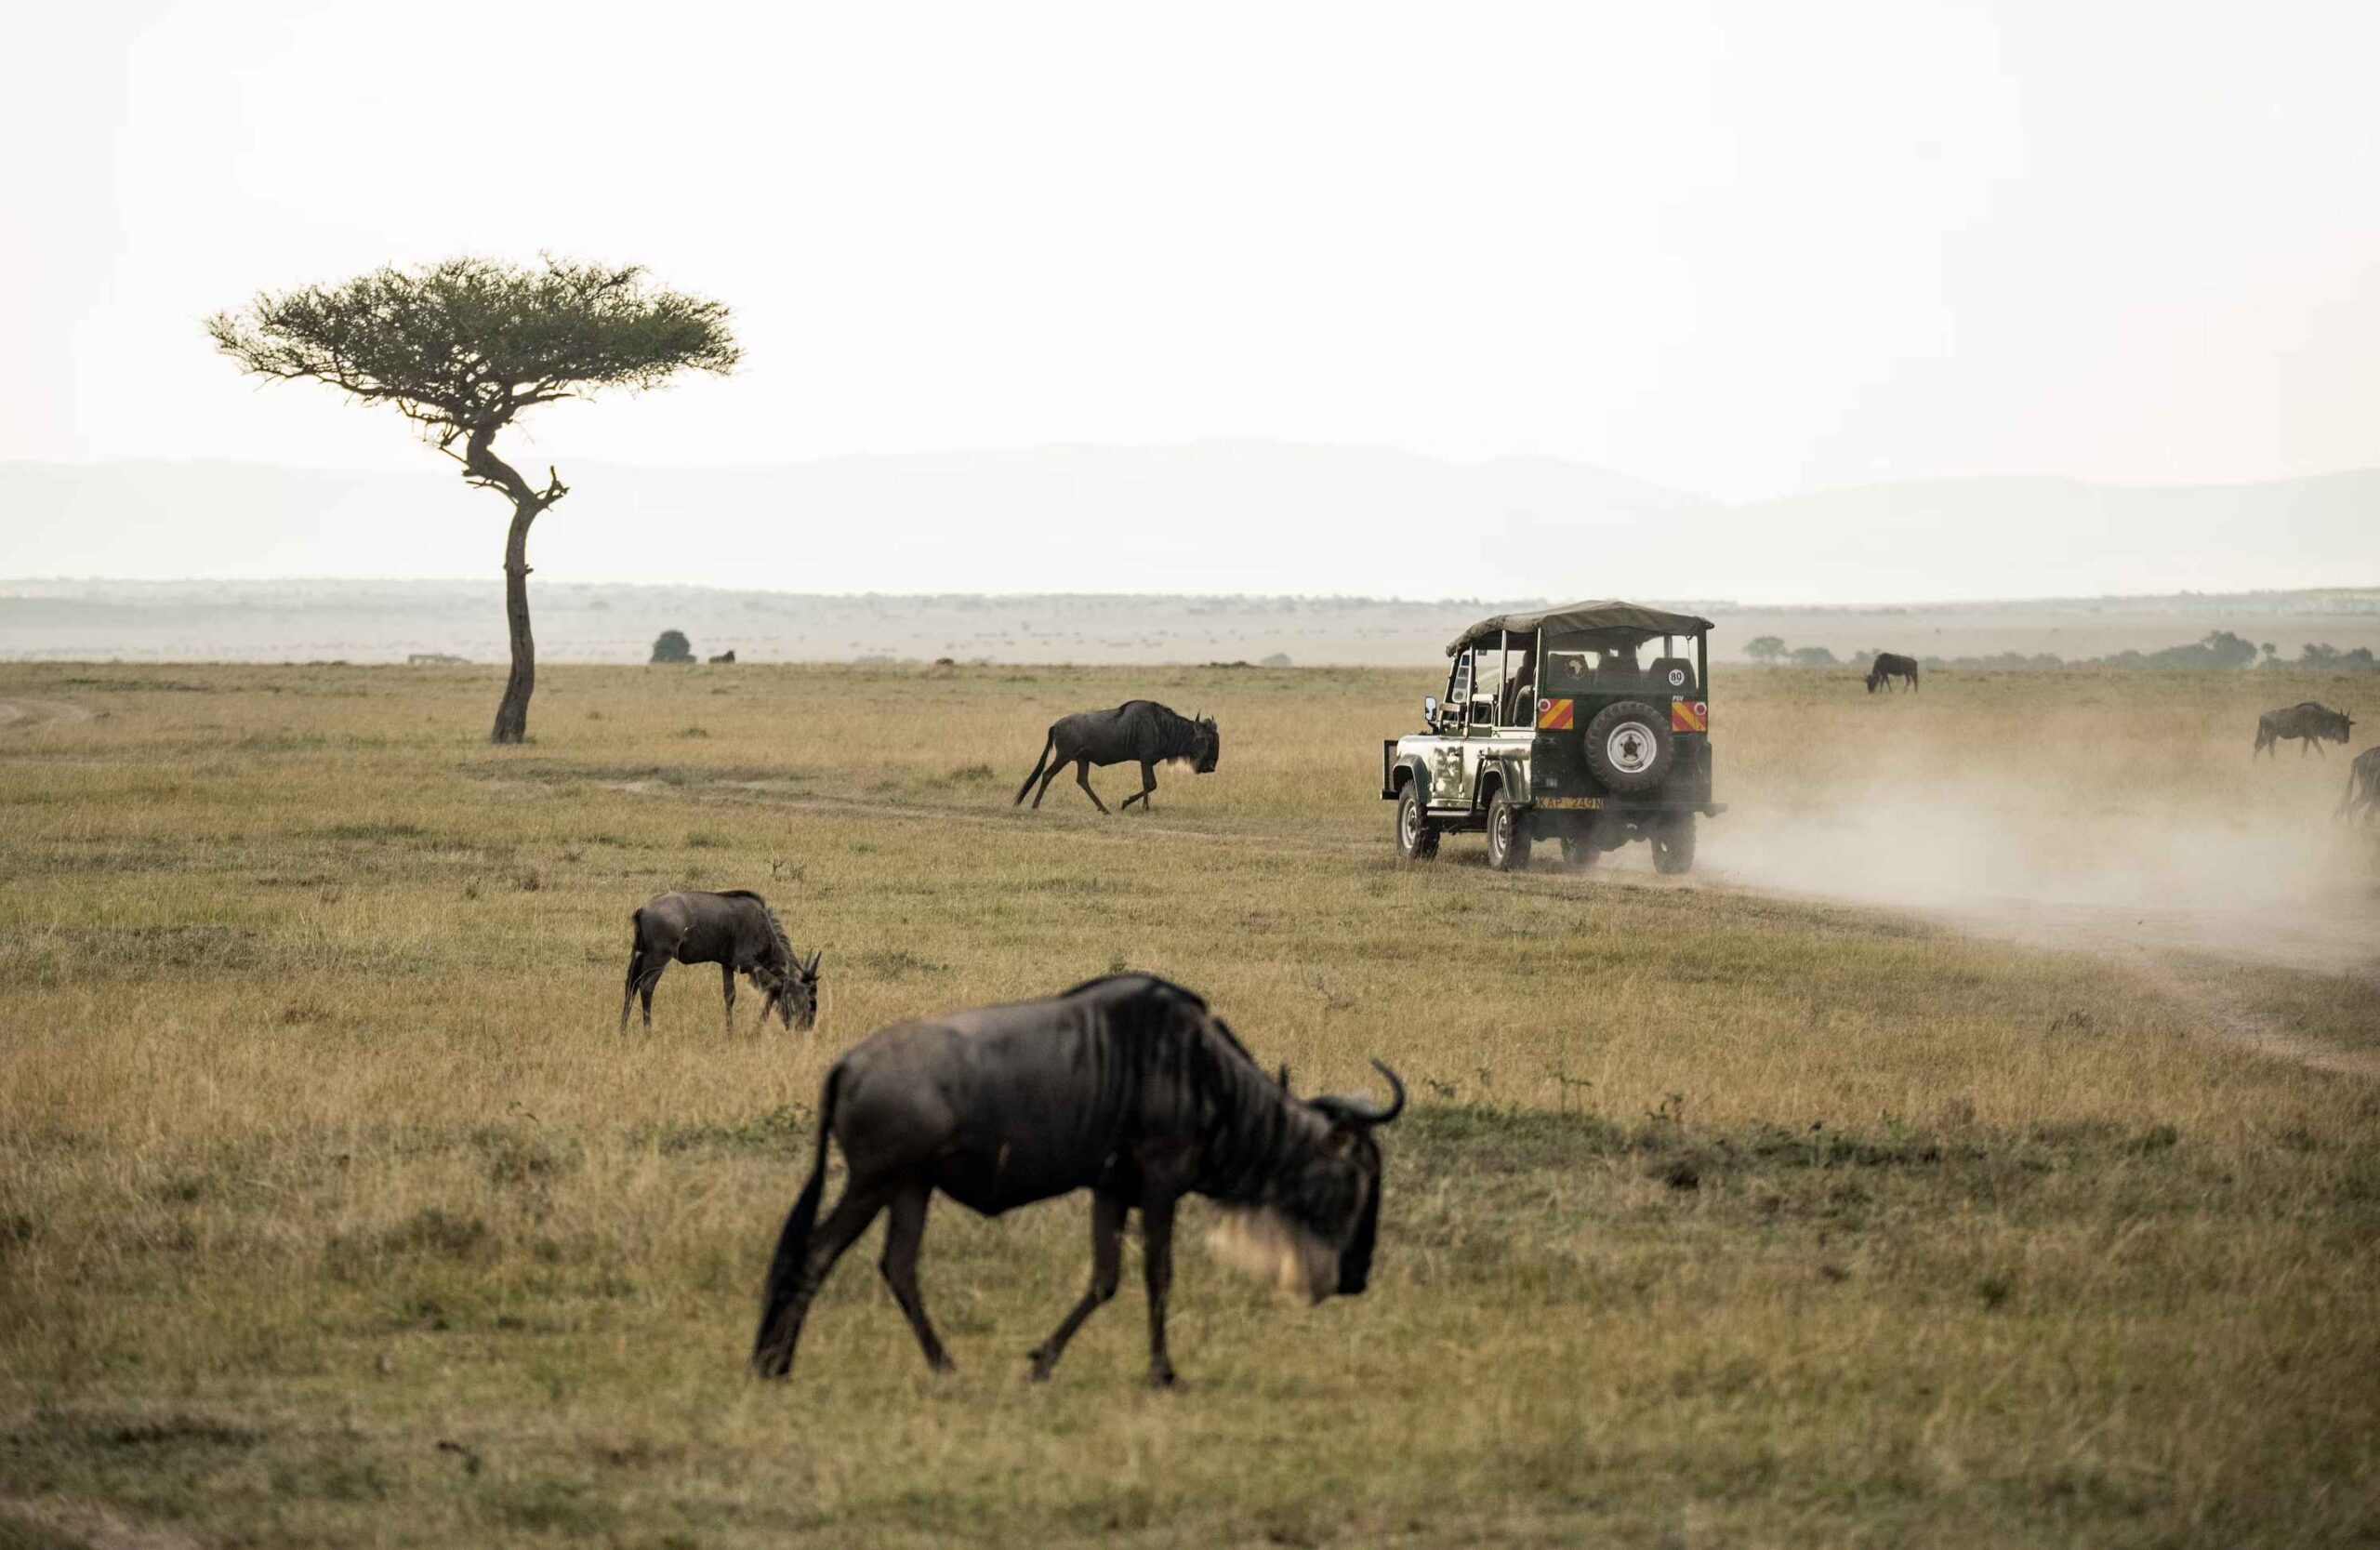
(1627, 622)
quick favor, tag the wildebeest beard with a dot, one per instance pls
(1265, 1242)
(1269, 1241)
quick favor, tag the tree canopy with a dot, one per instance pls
(468, 344)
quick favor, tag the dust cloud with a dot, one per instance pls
(2153, 847)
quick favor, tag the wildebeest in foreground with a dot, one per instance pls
(736, 930)
(2362, 786)
(2309, 721)
(1125, 1086)
(1890, 665)
(1138, 730)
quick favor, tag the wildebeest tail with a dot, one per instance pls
(793, 1240)
(1047, 744)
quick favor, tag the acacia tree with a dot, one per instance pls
(461, 348)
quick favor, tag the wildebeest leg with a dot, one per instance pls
(727, 989)
(628, 997)
(905, 1230)
(1053, 772)
(644, 990)
(1148, 784)
(1157, 1265)
(1082, 778)
(1107, 1270)
(850, 1218)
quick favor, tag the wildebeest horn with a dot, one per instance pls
(1363, 1111)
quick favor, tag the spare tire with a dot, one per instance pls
(1629, 746)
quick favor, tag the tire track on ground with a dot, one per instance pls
(2210, 1008)
(23, 715)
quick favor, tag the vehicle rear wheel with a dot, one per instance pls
(1673, 846)
(1507, 835)
(1417, 838)
(1629, 746)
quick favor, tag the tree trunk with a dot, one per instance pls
(482, 466)
(512, 711)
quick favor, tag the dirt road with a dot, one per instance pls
(23, 715)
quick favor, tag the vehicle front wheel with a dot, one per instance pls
(1673, 846)
(1507, 835)
(1417, 838)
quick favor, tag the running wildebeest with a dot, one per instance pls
(1125, 1086)
(1888, 666)
(736, 930)
(2362, 786)
(1137, 731)
(2309, 721)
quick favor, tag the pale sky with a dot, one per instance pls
(1745, 249)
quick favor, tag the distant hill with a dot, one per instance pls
(1210, 517)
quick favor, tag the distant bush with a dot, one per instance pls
(671, 645)
(1812, 657)
(2326, 657)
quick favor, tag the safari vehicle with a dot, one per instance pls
(1588, 724)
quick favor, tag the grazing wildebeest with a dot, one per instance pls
(2362, 786)
(736, 930)
(1125, 1086)
(2309, 721)
(1890, 665)
(1138, 730)
(727, 657)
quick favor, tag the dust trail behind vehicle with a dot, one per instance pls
(2129, 816)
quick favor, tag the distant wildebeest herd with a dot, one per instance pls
(2310, 722)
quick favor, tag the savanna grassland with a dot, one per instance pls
(334, 1212)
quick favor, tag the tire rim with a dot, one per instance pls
(1631, 747)
(1412, 826)
(1503, 835)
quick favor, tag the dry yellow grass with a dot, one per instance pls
(333, 1211)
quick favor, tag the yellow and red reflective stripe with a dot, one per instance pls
(1552, 715)
(1690, 715)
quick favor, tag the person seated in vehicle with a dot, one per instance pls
(1520, 700)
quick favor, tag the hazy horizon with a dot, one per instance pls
(1234, 516)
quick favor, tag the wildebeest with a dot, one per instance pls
(2362, 786)
(736, 930)
(1125, 1086)
(1890, 665)
(727, 657)
(2309, 721)
(1138, 730)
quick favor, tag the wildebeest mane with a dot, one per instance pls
(1246, 1118)
(1154, 982)
(776, 928)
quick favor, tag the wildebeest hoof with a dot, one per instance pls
(1162, 1377)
